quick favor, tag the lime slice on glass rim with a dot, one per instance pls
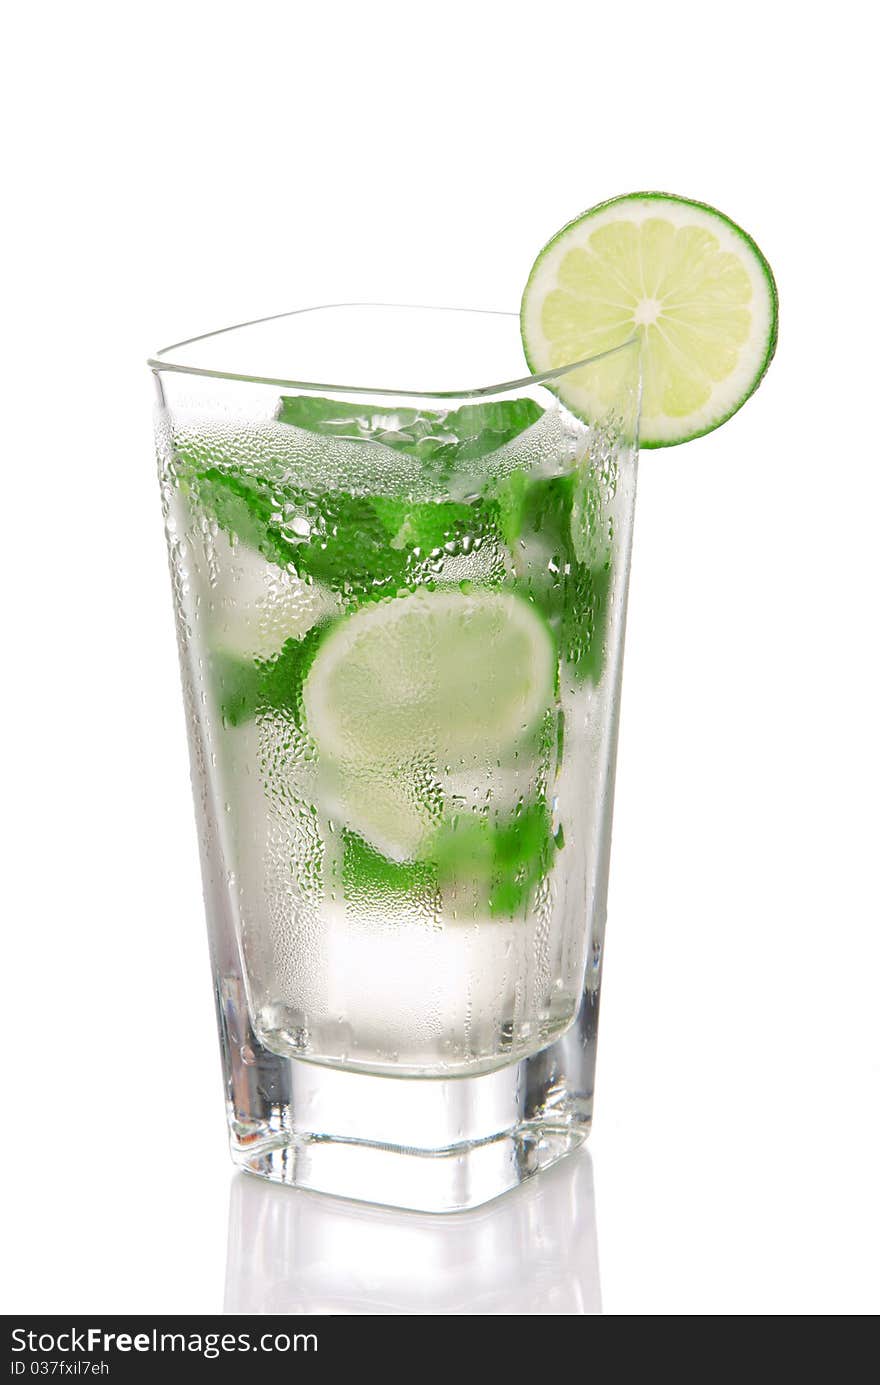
(450, 675)
(684, 278)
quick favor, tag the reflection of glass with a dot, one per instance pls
(533, 1252)
(401, 621)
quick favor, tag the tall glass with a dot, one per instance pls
(401, 617)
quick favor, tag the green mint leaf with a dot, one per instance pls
(369, 877)
(236, 684)
(459, 435)
(495, 865)
(586, 608)
(243, 688)
(503, 860)
(511, 496)
(244, 506)
(366, 547)
(574, 596)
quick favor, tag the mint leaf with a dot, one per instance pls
(459, 435)
(511, 495)
(368, 877)
(495, 864)
(574, 596)
(366, 547)
(586, 606)
(236, 684)
(504, 860)
(244, 687)
(244, 506)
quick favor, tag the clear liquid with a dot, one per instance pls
(369, 936)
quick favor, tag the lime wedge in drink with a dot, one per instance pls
(682, 276)
(451, 676)
(385, 806)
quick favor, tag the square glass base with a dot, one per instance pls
(427, 1144)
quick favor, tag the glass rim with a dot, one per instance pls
(157, 363)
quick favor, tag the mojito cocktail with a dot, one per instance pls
(401, 622)
(401, 617)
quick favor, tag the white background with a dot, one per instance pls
(175, 167)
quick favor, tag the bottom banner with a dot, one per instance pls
(122, 1347)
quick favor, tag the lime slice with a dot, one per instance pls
(682, 276)
(385, 809)
(447, 675)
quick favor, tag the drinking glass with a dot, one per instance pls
(400, 603)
